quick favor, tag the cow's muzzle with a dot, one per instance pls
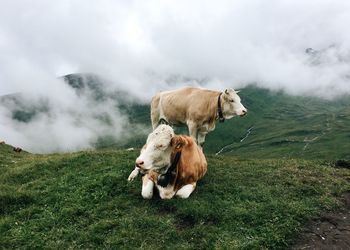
(139, 163)
(244, 112)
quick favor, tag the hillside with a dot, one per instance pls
(269, 173)
(83, 200)
(277, 125)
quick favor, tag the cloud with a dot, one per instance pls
(64, 119)
(146, 46)
(140, 44)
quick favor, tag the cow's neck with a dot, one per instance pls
(219, 110)
(165, 179)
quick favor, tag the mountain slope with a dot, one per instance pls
(83, 200)
(277, 124)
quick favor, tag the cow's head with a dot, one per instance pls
(156, 153)
(231, 104)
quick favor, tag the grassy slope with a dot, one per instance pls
(82, 200)
(282, 126)
(286, 126)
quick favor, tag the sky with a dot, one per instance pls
(142, 46)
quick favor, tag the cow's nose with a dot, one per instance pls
(139, 163)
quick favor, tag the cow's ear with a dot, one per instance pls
(177, 142)
(226, 95)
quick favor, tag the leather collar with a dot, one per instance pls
(221, 116)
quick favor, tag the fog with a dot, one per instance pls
(301, 47)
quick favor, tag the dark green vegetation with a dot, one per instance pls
(83, 200)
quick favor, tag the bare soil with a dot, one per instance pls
(330, 231)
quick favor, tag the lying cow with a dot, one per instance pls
(197, 108)
(172, 163)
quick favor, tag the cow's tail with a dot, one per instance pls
(155, 111)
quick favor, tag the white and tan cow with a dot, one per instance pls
(157, 159)
(197, 108)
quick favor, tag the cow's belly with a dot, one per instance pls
(173, 115)
(177, 123)
(174, 119)
(206, 127)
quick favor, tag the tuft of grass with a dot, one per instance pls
(83, 200)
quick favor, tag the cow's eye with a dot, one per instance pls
(232, 100)
(159, 146)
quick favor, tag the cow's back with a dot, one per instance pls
(179, 106)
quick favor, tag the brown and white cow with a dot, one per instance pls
(157, 159)
(197, 108)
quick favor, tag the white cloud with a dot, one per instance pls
(139, 45)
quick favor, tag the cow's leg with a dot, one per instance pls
(134, 174)
(201, 138)
(186, 191)
(147, 187)
(192, 129)
(155, 112)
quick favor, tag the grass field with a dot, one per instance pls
(274, 171)
(83, 200)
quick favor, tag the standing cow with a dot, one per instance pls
(197, 108)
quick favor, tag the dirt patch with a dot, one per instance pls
(331, 231)
(185, 222)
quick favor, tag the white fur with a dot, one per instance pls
(156, 153)
(231, 109)
(147, 188)
(134, 174)
(185, 191)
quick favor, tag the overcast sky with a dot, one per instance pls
(139, 45)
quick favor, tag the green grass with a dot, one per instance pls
(83, 200)
(285, 126)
